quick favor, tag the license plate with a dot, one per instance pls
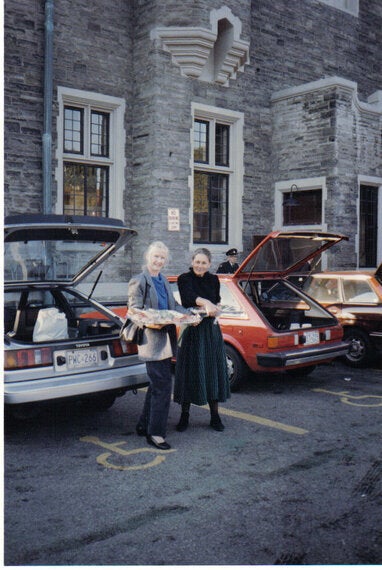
(81, 358)
(312, 337)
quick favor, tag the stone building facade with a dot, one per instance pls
(197, 121)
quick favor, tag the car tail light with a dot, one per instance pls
(282, 341)
(325, 335)
(121, 348)
(27, 358)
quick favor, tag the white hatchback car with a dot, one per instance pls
(59, 341)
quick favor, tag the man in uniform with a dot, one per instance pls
(231, 265)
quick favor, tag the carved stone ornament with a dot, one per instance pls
(214, 55)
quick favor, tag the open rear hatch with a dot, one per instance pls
(59, 249)
(46, 256)
(283, 253)
(262, 276)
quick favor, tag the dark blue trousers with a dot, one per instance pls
(158, 397)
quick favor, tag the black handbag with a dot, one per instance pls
(130, 331)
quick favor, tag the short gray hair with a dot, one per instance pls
(157, 245)
(203, 251)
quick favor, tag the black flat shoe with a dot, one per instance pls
(163, 445)
(140, 430)
(216, 423)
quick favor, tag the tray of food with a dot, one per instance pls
(146, 317)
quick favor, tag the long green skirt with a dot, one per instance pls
(201, 366)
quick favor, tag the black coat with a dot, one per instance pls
(226, 267)
(192, 286)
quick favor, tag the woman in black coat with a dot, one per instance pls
(201, 375)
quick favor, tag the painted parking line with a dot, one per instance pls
(350, 400)
(258, 420)
(262, 421)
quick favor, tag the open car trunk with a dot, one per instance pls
(84, 319)
(46, 257)
(284, 306)
(263, 277)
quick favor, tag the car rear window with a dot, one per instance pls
(324, 289)
(41, 260)
(356, 291)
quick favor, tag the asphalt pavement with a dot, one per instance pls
(295, 479)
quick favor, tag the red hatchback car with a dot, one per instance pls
(269, 324)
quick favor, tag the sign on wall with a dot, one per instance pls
(173, 219)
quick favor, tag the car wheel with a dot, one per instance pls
(237, 369)
(301, 372)
(360, 351)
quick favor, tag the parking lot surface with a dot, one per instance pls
(295, 478)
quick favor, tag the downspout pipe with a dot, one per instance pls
(48, 102)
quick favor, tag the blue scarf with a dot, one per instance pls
(161, 291)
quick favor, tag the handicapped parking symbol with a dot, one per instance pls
(114, 448)
(346, 398)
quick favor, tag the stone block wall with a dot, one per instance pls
(23, 106)
(106, 48)
(322, 130)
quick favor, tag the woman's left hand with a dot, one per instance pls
(211, 309)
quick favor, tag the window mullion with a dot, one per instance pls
(209, 210)
(87, 119)
(212, 143)
(85, 190)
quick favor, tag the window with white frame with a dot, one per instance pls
(217, 142)
(304, 208)
(300, 203)
(90, 154)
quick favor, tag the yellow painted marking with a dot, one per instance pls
(261, 421)
(258, 420)
(346, 398)
(103, 460)
(115, 448)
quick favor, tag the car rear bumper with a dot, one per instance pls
(288, 359)
(73, 385)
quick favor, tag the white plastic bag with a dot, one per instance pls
(50, 325)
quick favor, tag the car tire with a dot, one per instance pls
(360, 352)
(237, 368)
